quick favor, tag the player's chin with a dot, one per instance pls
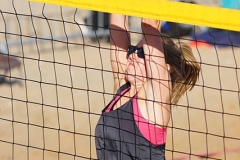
(133, 78)
(129, 77)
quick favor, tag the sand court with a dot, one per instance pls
(54, 113)
(63, 85)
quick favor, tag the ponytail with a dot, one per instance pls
(184, 69)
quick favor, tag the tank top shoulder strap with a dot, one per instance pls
(120, 91)
(123, 87)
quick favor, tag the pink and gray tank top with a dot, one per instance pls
(124, 134)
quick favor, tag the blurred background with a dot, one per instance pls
(55, 79)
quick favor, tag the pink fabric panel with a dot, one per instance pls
(153, 134)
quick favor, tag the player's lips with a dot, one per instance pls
(131, 63)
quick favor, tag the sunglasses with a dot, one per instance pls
(132, 49)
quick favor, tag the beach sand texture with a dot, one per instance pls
(52, 110)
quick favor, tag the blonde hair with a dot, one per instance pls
(184, 69)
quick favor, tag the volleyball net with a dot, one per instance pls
(55, 76)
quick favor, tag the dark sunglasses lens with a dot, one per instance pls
(141, 53)
(131, 49)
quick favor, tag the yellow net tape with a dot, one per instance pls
(161, 9)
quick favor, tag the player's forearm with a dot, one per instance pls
(147, 24)
(119, 35)
(118, 20)
(151, 38)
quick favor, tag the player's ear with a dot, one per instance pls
(168, 67)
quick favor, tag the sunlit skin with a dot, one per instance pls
(149, 77)
(135, 70)
(135, 74)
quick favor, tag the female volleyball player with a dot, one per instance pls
(148, 78)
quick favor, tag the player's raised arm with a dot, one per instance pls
(171, 69)
(119, 42)
(158, 88)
